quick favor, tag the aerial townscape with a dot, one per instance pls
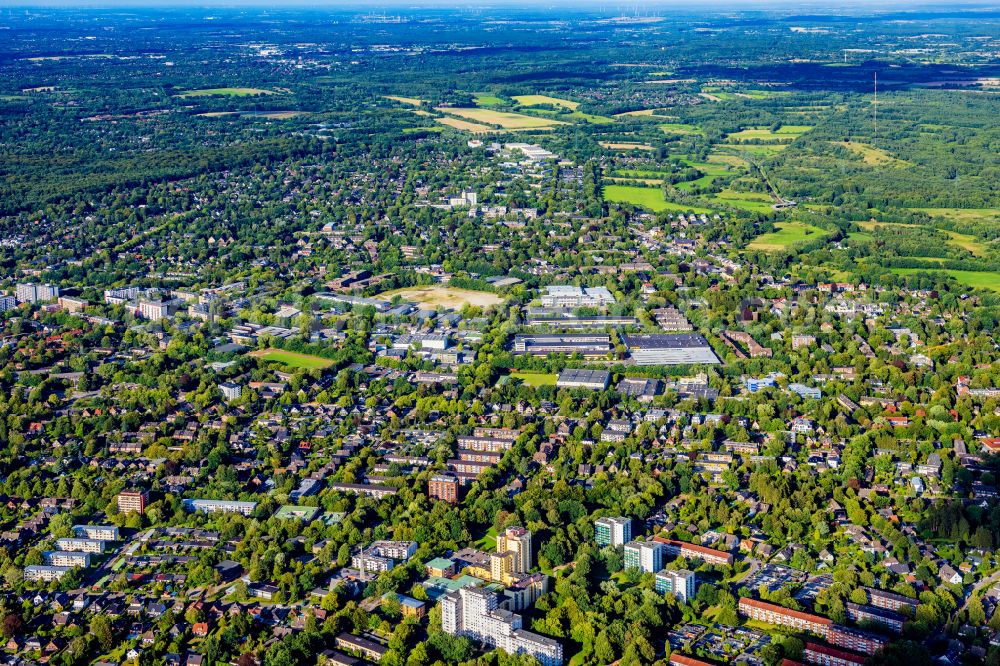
(500, 335)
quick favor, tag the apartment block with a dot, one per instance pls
(644, 555)
(613, 531)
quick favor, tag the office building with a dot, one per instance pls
(130, 501)
(443, 487)
(220, 506)
(645, 555)
(517, 541)
(669, 349)
(681, 583)
(36, 293)
(475, 613)
(571, 296)
(612, 531)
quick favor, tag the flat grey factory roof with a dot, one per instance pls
(665, 341)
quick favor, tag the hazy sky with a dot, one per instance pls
(609, 5)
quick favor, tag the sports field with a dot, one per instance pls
(788, 233)
(536, 379)
(647, 197)
(449, 297)
(292, 359)
(504, 119)
(226, 92)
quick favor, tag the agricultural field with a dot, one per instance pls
(453, 298)
(412, 101)
(226, 92)
(538, 100)
(536, 379)
(787, 234)
(624, 145)
(465, 125)
(647, 197)
(292, 359)
(505, 119)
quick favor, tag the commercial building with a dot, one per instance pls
(763, 611)
(28, 292)
(670, 349)
(476, 613)
(132, 501)
(681, 583)
(611, 531)
(596, 380)
(571, 296)
(644, 555)
(692, 551)
(443, 487)
(588, 345)
(220, 506)
(41, 572)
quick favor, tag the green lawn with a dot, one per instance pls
(536, 379)
(293, 359)
(647, 197)
(975, 279)
(788, 233)
(489, 541)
